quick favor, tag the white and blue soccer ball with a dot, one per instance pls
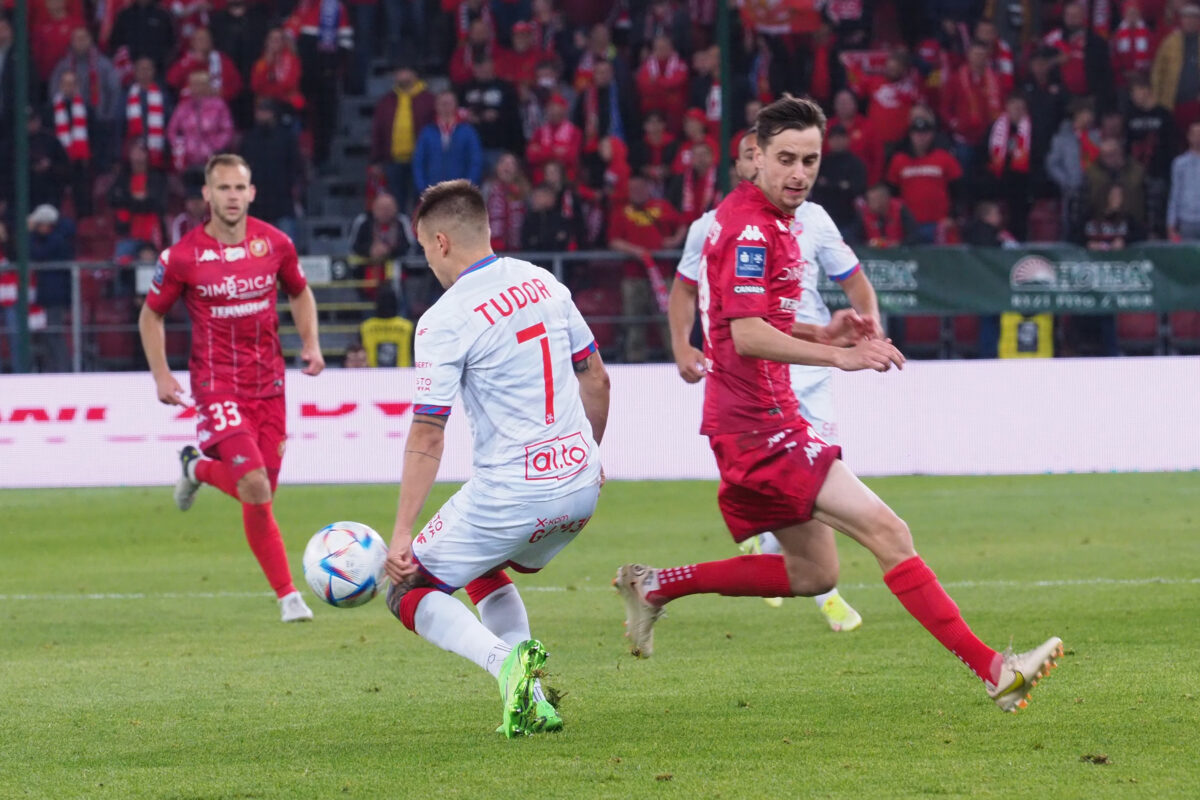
(344, 562)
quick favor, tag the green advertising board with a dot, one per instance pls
(1056, 280)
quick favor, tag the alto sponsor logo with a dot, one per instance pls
(235, 253)
(60, 414)
(432, 529)
(752, 234)
(556, 459)
(208, 255)
(237, 288)
(241, 309)
(749, 290)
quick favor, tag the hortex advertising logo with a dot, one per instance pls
(895, 282)
(1040, 284)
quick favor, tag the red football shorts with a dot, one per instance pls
(244, 433)
(770, 480)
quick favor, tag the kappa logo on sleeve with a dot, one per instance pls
(751, 262)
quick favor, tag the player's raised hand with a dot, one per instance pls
(400, 565)
(690, 363)
(847, 327)
(169, 391)
(876, 354)
(314, 362)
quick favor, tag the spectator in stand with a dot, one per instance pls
(545, 229)
(695, 191)
(852, 22)
(519, 65)
(377, 239)
(1083, 57)
(224, 79)
(882, 220)
(695, 133)
(597, 49)
(1132, 44)
(49, 168)
(147, 109)
(146, 30)
(999, 54)
(640, 226)
(1114, 226)
(1112, 167)
(364, 17)
(324, 39)
(74, 126)
(606, 174)
(863, 142)
(189, 15)
(139, 198)
(406, 29)
(987, 230)
(1150, 134)
(1072, 151)
(273, 153)
(276, 76)
(924, 175)
(8, 74)
(557, 139)
(467, 13)
(355, 357)
(447, 148)
(387, 337)
(50, 36)
(653, 155)
(201, 125)
(1176, 72)
(601, 110)
(194, 214)
(704, 89)
(567, 201)
(1046, 99)
(1183, 209)
(479, 43)
(971, 101)
(842, 179)
(492, 107)
(506, 195)
(100, 87)
(662, 81)
(1010, 162)
(239, 31)
(890, 97)
(52, 238)
(400, 116)
(668, 18)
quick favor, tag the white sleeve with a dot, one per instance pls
(441, 355)
(834, 256)
(693, 248)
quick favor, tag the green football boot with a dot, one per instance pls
(517, 674)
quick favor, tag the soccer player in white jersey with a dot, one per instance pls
(823, 248)
(507, 336)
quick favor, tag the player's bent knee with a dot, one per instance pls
(403, 599)
(254, 487)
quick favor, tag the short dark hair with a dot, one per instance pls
(458, 199)
(788, 113)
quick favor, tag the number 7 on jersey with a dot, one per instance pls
(539, 332)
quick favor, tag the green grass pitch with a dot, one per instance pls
(141, 657)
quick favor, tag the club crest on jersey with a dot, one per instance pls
(258, 248)
(208, 255)
(751, 261)
(235, 253)
(160, 272)
(752, 234)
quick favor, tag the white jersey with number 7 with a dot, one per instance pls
(506, 334)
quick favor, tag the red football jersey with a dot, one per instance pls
(230, 292)
(751, 267)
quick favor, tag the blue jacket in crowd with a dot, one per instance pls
(462, 158)
(53, 285)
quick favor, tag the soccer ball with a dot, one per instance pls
(343, 564)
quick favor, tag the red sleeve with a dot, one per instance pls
(617, 225)
(953, 168)
(177, 75)
(742, 276)
(291, 276)
(168, 283)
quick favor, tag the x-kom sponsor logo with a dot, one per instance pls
(556, 459)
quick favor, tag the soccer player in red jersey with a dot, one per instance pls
(228, 273)
(776, 473)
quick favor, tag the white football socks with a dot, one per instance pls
(503, 613)
(444, 621)
(769, 544)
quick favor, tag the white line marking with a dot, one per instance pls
(849, 586)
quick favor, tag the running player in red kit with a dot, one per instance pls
(227, 274)
(777, 474)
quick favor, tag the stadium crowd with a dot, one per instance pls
(595, 125)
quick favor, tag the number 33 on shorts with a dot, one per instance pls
(224, 415)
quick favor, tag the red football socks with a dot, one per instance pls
(918, 590)
(215, 473)
(267, 545)
(741, 576)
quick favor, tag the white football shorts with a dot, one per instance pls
(472, 535)
(814, 389)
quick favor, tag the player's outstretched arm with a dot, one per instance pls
(422, 457)
(681, 316)
(594, 388)
(863, 299)
(304, 312)
(154, 343)
(754, 337)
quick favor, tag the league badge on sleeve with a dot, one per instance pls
(751, 262)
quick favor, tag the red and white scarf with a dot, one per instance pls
(152, 126)
(1131, 46)
(70, 126)
(214, 70)
(990, 85)
(699, 195)
(1001, 143)
(672, 68)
